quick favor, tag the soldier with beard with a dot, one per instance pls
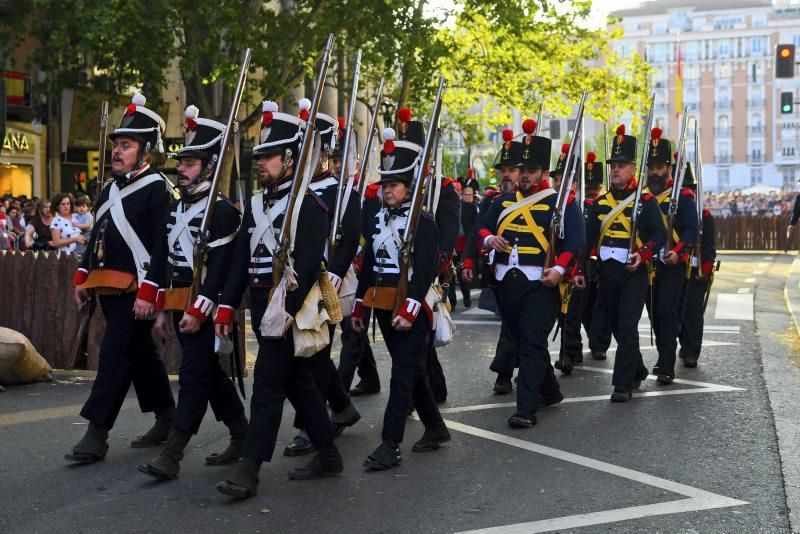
(663, 302)
(202, 380)
(117, 268)
(277, 370)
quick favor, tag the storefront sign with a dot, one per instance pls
(16, 141)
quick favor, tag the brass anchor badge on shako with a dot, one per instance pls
(619, 139)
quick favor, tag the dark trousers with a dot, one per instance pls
(127, 355)
(465, 286)
(622, 295)
(571, 342)
(327, 379)
(506, 358)
(278, 373)
(691, 332)
(202, 382)
(436, 375)
(530, 310)
(409, 382)
(357, 354)
(595, 321)
(663, 306)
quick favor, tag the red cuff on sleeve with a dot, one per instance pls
(201, 308)
(358, 309)
(409, 310)
(469, 263)
(160, 296)
(80, 276)
(593, 252)
(564, 259)
(708, 268)
(483, 233)
(147, 291)
(646, 252)
(224, 315)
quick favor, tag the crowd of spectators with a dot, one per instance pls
(731, 203)
(59, 224)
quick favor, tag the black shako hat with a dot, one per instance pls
(400, 155)
(510, 153)
(535, 148)
(593, 171)
(281, 133)
(561, 162)
(141, 124)
(623, 147)
(337, 150)
(660, 149)
(328, 131)
(202, 137)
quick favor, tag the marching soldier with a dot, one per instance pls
(697, 285)
(117, 268)
(408, 330)
(326, 185)
(202, 380)
(277, 370)
(508, 163)
(528, 296)
(623, 280)
(663, 303)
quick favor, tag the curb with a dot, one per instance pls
(792, 297)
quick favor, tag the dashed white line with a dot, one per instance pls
(743, 290)
(749, 280)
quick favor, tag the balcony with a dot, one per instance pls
(723, 159)
(723, 105)
(723, 132)
(756, 102)
(755, 157)
(692, 106)
(756, 130)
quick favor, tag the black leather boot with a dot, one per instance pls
(159, 432)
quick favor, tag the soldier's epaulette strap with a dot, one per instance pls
(687, 192)
(372, 191)
(647, 196)
(647, 250)
(318, 199)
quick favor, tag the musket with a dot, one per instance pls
(406, 252)
(698, 174)
(582, 170)
(364, 164)
(680, 171)
(568, 178)
(605, 144)
(201, 243)
(539, 119)
(345, 176)
(86, 309)
(299, 183)
(101, 157)
(637, 199)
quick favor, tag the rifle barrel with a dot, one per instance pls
(364, 164)
(642, 175)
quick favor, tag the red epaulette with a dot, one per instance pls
(372, 191)
(687, 192)
(647, 196)
(447, 181)
(706, 213)
(571, 198)
(588, 202)
(490, 193)
(319, 200)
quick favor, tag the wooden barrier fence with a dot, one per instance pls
(38, 301)
(745, 232)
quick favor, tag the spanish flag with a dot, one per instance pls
(15, 88)
(679, 85)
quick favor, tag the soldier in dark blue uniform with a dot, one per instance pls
(505, 358)
(339, 261)
(277, 370)
(117, 268)
(623, 275)
(697, 284)
(407, 330)
(671, 263)
(517, 227)
(202, 380)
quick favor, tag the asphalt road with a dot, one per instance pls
(700, 455)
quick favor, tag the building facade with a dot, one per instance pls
(727, 53)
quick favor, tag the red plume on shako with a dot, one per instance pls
(591, 157)
(137, 100)
(529, 127)
(305, 106)
(620, 133)
(404, 115)
(342, 124)
(388, 147)
(268, 107)
(655, 135)
(191, 113)
(508, 136)
(564, 150)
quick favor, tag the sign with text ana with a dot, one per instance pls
(15, 141)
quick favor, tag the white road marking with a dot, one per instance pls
(697, 499)
(763, 264)
(743, 290)
(758, 272)
(734, 306)
(467, 321)
(749, 280)
(769, 258)
(478, 311)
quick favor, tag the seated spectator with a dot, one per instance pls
(37, 232)
(65, 236)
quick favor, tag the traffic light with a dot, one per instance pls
(784, 61)
(787, 103)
